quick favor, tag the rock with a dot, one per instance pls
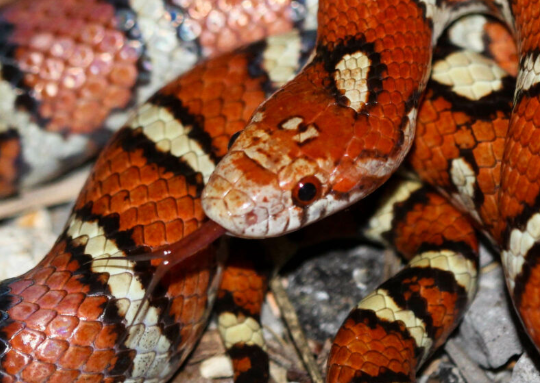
(440, 370)
(24, 242)
(525, 370)
(489, 332)
(487, 254)
(448, 373)
(219, 366)
(326, 286)
(499, 376)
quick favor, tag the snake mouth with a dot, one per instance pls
(250, 225)
(244, 198)
(241, 216)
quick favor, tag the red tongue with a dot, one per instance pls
(185, 248)
(193, 243)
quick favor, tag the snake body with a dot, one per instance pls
(71, 72)
(342, 126)
(78, 315)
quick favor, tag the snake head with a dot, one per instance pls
(307, 152)
(280, 175)
(265, 185)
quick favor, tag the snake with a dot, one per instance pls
(85, 314)
(339, 130)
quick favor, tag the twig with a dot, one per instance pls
(392, 264)
(469, 370)
(300, 341)
(276, 336)
(63, 190)
(489, 267)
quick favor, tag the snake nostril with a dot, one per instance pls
(251, 218)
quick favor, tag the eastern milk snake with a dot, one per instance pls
(104, 306)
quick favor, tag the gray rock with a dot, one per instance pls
(448, 373)
(500, 376)
(525, 371)
(440, 370)
(324, 288)
(487, 255)
(489, 332)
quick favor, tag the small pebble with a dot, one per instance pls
(219, 366)
(525, 371)
(489, 332)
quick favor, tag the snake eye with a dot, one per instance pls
(233, 139)
(306, 191)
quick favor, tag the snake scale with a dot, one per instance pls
(95, 310)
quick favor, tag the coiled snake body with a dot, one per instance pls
(93, 311)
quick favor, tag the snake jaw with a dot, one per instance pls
(251, 209)
(252, 194)
(244, 198)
